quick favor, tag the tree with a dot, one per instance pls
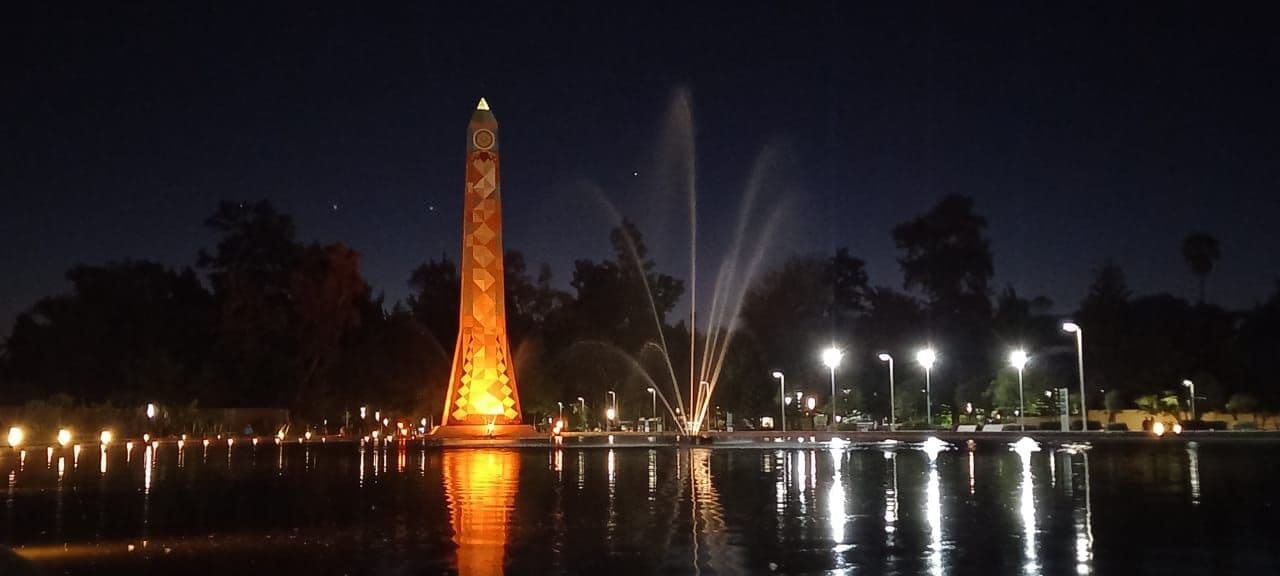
(1200, 250)
(251, 272)
(327, 292)
(946, 251)
(1242, 403)
(946, 254)
(1258, 340)
(1105, 313)
(436, 298)
(622, 301)
(1114, 402)
(128, 331)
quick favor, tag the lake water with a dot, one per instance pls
(1112, 507)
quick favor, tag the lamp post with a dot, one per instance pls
(1018, 359)
(612, 412)
(885, 357)
(1073, 328)
(926, 357)
(1192, 386)
(583, 402)
(831, 358)
(560, 405)
(653, 398)
(782, 396)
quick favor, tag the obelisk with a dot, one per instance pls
(482, 398)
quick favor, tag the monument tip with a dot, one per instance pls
(483, 105)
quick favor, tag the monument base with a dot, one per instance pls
(509, 431)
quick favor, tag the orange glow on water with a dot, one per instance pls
(481, 489)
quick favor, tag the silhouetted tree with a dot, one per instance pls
(435, 300)
(946, 254)
(327, 292)
(129, 332)
(1200, 250)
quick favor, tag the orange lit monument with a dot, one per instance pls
(482, 399)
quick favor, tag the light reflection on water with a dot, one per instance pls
(480, 486)
(895, 509)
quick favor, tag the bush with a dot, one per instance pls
(1093, 425)
(1246, 426)
(1050, 426)
(915, 426)
(1117, 427)
(1204, 425)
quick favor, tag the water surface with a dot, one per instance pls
(1151, 507)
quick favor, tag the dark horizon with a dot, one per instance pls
(1083, 133)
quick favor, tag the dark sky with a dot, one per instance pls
(1084, 131)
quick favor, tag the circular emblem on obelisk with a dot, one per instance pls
(483, 139)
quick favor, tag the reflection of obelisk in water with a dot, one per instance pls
(480, 486)
(482, 398)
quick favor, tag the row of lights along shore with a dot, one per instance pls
(926, 358)
(17, 437)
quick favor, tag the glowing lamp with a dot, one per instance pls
(105, 437)
(15, 436)
(926, 358)
(831, 357)
(64, 437)
(884, 357)
(307, 435)
(811, 402)
(1018, 359)
(611, 413)
(1158, 429)
(1070, 327)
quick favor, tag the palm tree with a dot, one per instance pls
(1200, 250)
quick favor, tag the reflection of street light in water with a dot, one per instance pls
(1027, 504)
(933, 513)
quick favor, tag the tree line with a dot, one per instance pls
(266, 320)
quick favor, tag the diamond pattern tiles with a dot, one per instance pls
(482, 388)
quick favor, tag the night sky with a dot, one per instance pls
(1084, 131)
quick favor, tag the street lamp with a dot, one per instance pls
(653, 399)
(612, 412)
(560, 405)
(885, 357)
(831, 358)
(926, 357)
(782, 396)
(1018, 359)
(1192, 386)
(1073, 328)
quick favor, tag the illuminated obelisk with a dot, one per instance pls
(482, 398)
